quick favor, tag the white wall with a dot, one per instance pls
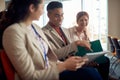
(114, 18)
(2, 5)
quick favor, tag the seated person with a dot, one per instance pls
(80, 32)
(57, 35)
(29, 51)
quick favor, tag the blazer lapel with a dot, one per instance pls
(30, 37)
(55, 34)
(51, 54)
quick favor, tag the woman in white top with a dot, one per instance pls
(79, 32)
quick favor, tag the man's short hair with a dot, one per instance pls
(54, 4)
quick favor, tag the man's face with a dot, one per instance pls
(56, 16)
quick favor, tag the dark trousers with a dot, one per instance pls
(103, 69)
(85, 73)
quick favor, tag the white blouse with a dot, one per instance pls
(73, 35)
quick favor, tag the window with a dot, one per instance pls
(97, 10)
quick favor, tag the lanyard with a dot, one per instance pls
(45, 53)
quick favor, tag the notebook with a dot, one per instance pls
(96, 47)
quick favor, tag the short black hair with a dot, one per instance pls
(54, 4)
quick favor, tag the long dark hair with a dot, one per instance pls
(16, 11)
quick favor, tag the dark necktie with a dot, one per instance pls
(62, 35)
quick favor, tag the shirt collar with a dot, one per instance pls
(53, 26)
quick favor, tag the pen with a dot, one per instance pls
(91, 50)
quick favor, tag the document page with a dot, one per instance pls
(94, 55)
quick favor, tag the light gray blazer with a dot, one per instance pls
(26, 55)
(61, 49)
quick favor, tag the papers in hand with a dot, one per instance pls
(94, 55)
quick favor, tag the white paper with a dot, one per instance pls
(94, 55)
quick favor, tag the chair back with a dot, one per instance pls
(2, 73)
(117, 47)
(115, 43)
(112, 47)
(119, 42)
(7, 66)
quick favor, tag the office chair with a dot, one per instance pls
(117, 47)
(112, 48)
(7, 66)
(119, 42)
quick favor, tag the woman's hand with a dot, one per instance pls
(74, 62)
(83, 43)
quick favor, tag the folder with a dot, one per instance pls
(96, 47)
